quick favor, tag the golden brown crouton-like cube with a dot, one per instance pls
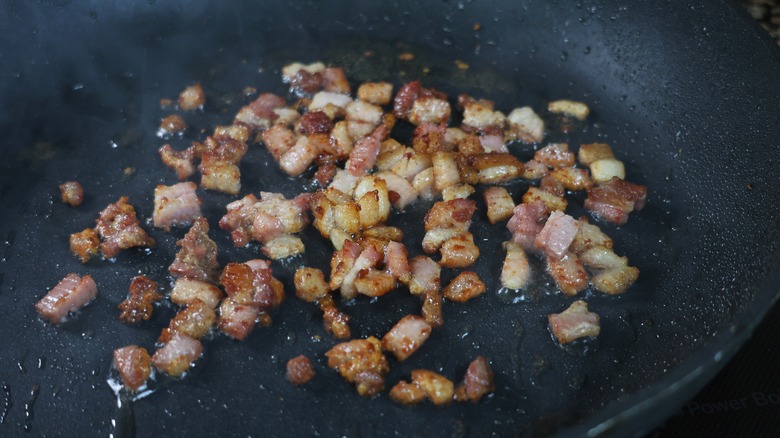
(593, 152)
(499, 204)
(310, 284)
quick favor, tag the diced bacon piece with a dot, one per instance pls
(551, 185)
(459, 252)
(344, 181)
(426, 275)
(423, 182)
(139, 304)
(235, 132)
(222, 149)
(377, 93)
(84, 244)
(453, 136)
(119, 229)
(578, 110)
(265, 104)
(407, 393)
(192, 98)
(310, 284)
(599, 257)
(70, 294)
(186, 291)
(500, 205)
(493, 143)
(526, 222)
(367, 259)
(289, 71)
(299, 370)
(197, 258)
(574, 323)
(526, 125)
(266, 227)
(278, 139)
(400, 191)
(363, 156)
(305, 83)
(481, 117)
(572, 178)
(455, 213)
(431, 307)
(360, 361)
(72, 193)
(429, 109)
(283, 246)
(341, 263)
(391, 153)
(364, 112)
(557, 235)
(615, 281)
(477, 382)
(299, 157)
(494, 168)
(404, 99)
(410, 164)
(434, 239)
(220, 176)
(175, 205)
(335, 80)
(464, 287)
(373, 200)
(335, 322)
(179, 161)
(533, 169)
(555, 155)
(551, 201)
(321, 100)
(615, 199)
(373, 283)
(445, 170)
(568, 273)
(176, 356)
(466, 99)
(592, 152)
(607, 168)
(239, 218)
(133, 365)
(195, 321)
(313, 122)
(437, 388)
(385, 232)
(428, 138)
(459, 191)
(291, 212)
(170, 125)
(588, 236)
(252, 282)
(406, 336)
(396, 261)
(516, 271)
(237, 320)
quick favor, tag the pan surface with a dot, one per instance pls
(682, 92)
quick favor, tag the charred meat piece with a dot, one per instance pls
(85, 244)
(139, 304)
(133, 365)
(299, 370)
(361, 362)
(70, 294)
(119, 229)
(574, 323)
(197, 258)
(182, 162)
(433, 386)
(72, 193)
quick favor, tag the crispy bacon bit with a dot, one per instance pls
(406, 336)
(186, 291)
(431, 307)
(614, 275)
(516, 272)
(615, 199)
(299, 370)
(557, 235)
(526, 125)
(119, 229)
(480, 117)
(437, 388)
(588, 236)
(237, 320)
(405, 98)
(590, 153)
(568, 273)
(377, 93)
(552, 185)
(133, 365)
(334, 80)
(555, 155)
(572, 178)
(363, 156)
(450, 214)
(182, 162)
(494, 168)
(428, 137)
(84, 244)
(493, 142)
(571, 108)
(335, 321)
(400, 191)
(310, 284)
(551, 201)
(278, 139)
(533, 169)
(459, 191)
(606, 169)
(139, 304)
(70, 294)
(500, 205)
(526, 222)
(396, 261)
(299, 157)
(367, 259)
(175, 205)
(313, 122)
(464, 287)
(192, 98)
(574, 323)
(176, 356)
(220, 176)
(72, 193)
(429, 109)
(477, 382)
(195, 321)
(361, 362)
(459, 252)
(173, 124)
(426, 275)
(197, 258)
(445, 170)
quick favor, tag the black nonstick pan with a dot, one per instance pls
(686, 93)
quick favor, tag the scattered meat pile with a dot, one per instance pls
(364, 176)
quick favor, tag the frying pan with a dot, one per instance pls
(686, 94)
